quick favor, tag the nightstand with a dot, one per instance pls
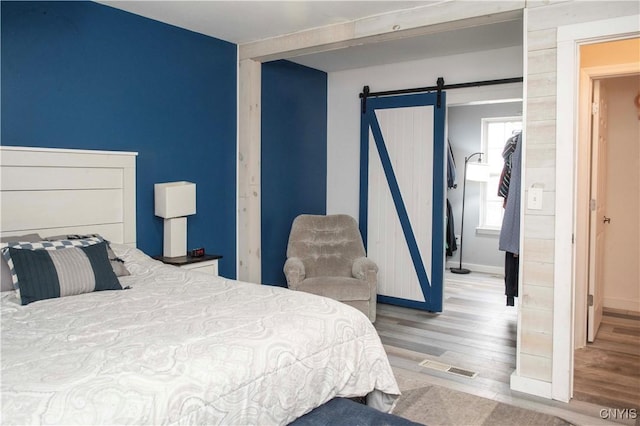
(207, 263)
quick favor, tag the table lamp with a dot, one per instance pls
(173, 202)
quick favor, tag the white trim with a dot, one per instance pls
(238, 215)
(530, 386)
(568, 39)
(593, 31)
(516, 379)
(66, 150)
(484, 230)
(630, 305)
(617, 70)
(562, 357)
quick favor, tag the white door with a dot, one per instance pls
(598, 219)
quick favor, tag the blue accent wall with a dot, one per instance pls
(88, 76)
(294, 156)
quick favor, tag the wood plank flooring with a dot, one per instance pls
(607, 371)
(476, 332)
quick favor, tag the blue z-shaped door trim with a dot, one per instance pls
(432, 290)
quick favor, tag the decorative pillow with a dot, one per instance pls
(42, 245)
(116, 263)
(45, 273)
(6, 283)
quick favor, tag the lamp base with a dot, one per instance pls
(459, 270)
(175, 237)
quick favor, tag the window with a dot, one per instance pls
(495, 132)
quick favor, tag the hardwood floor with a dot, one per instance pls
(607, 371)
(475, 333)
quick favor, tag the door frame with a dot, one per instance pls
(569, 39)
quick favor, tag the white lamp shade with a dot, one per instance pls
(175, 199)
(477, 172)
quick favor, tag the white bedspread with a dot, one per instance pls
(182, 347)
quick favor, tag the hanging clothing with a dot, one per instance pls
(505, 176)
(509, 188)
(511, 266)
(451, 245)
(510, 231)
(451, 168)
(451, 232)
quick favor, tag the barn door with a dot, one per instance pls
(402, 197)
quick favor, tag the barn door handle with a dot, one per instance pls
(606, 220)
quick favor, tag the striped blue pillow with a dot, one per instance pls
(50, 273)
(42, 245)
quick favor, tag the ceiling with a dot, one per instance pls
(246, 21)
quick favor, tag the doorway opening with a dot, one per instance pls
(607, 327)
(485, 128)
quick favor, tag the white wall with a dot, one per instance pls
(622, 235)
(343, 121)
(465, 136)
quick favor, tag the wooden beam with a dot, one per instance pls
(249, 211)
(446, 16)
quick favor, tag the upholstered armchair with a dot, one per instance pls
(325, 256)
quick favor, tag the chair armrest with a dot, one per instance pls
(362, 267)
(294, 271)
(366, 269)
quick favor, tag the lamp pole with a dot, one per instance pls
(460, 269)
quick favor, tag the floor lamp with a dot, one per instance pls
(477, 172)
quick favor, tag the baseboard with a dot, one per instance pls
(622, 304)
(487, 269)
(530, 386)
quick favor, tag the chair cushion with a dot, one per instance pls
(338, 288)
(327, 245)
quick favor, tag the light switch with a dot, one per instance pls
(534, 201)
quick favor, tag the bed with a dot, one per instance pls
(176, 346)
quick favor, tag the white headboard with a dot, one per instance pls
(68, 191)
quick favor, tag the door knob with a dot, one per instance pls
(606, 220)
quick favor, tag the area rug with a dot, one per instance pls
(437, 405)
